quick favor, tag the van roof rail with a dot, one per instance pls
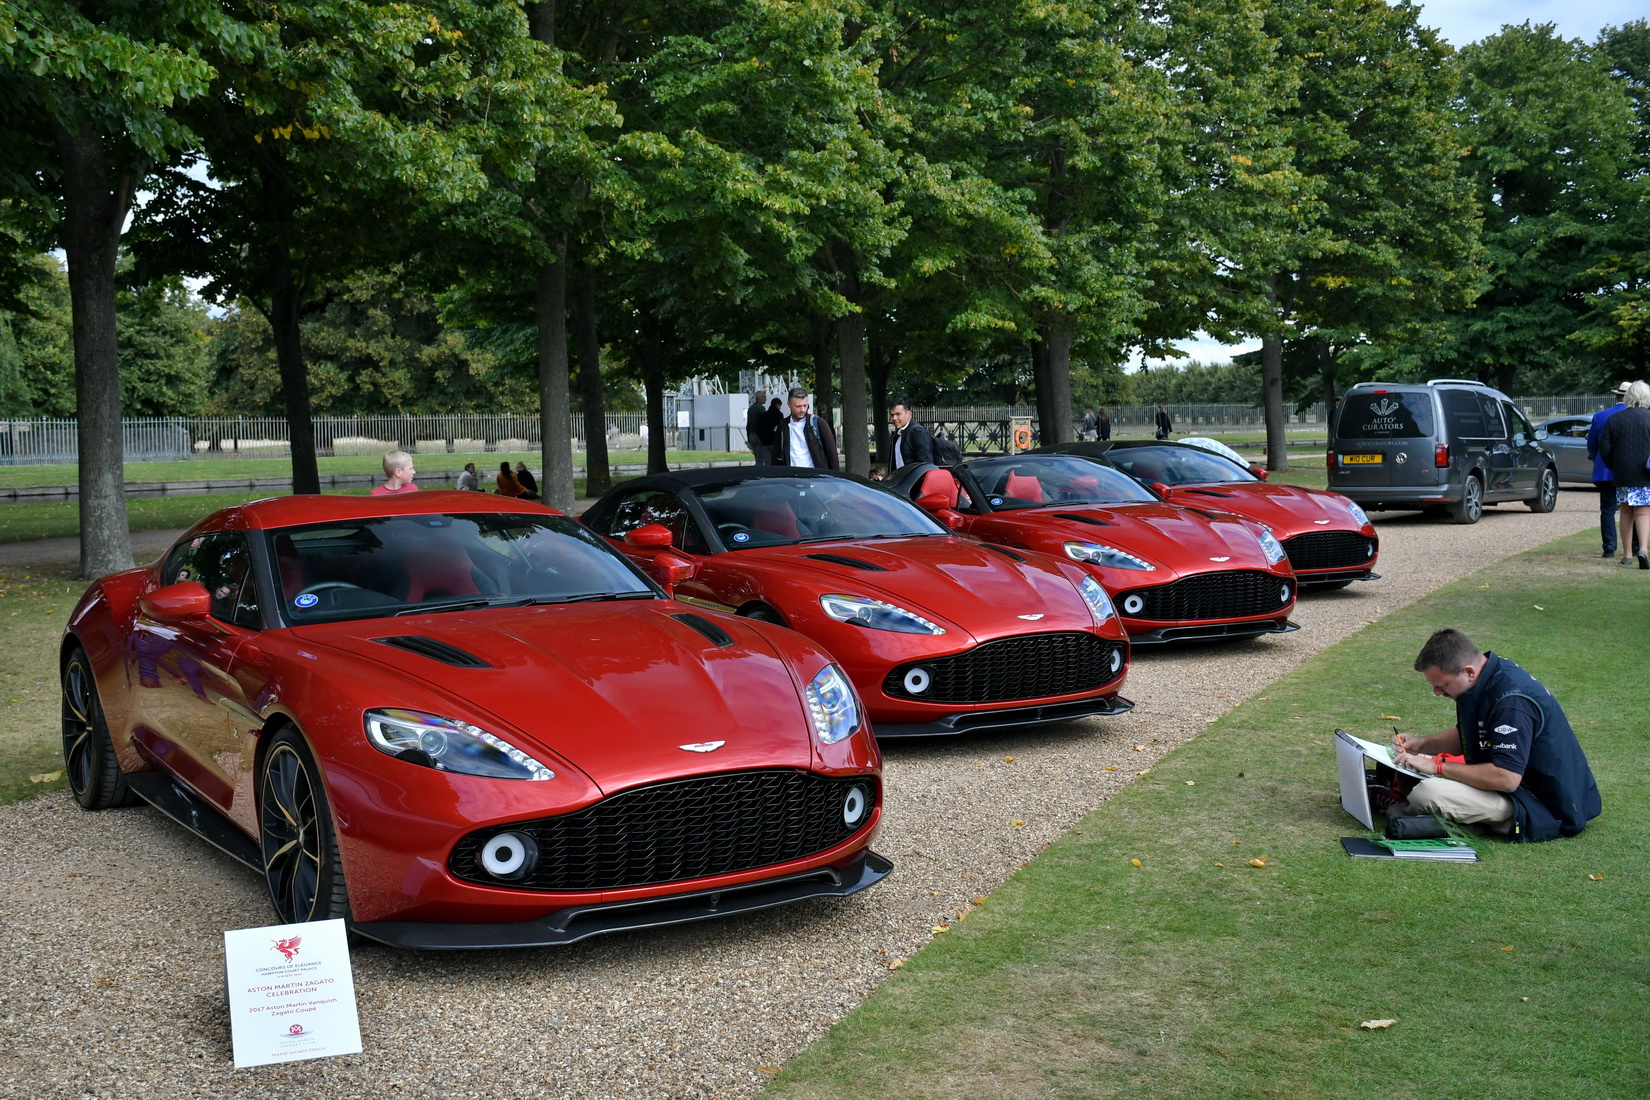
(1456, 381)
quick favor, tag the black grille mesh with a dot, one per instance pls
(684, 829)
(1329, 550)
(1032, 666)
(1225, 595)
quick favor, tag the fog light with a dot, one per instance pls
(510, 856)
(854, 806)
(1134, 605)
(1283, 595)
(1116, 661)
(918, 681)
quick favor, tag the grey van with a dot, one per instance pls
(1444, 445)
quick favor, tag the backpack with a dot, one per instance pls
(946, 453)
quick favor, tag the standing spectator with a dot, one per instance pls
(1091, 425)
(1625, 445)
(1603, 480)
(1103, 423)
(912, 442)
(508, 486)
(805, 439)
(753, 426)
(1165, 426)
(529, 483)
(398, 475)
(467, 481)
(773, 419)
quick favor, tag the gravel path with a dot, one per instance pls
(111, 924)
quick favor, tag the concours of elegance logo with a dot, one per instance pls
(288, 947)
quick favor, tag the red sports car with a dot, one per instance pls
(1174, 573)
(1329, 539)
(463, 721)
(940, 634)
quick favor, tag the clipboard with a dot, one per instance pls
(1350, 754)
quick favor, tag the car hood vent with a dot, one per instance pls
(851, 563)
(1075, 518)
(1003, 550)
(719, 637)
(434, 650)
(1212, 493)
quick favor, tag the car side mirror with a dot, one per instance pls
(670, 570)
(1258, 472)
(176, 603)
(1160, 489)
(650, 536)
(1541, 434)
(950, 517)
(934, 502)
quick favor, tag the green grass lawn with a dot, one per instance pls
(432, 467)
(1195, 974)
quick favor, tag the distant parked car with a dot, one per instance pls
(1567, 439)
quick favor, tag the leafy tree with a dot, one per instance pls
(37, 343)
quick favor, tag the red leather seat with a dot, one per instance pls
(430, 576)
(776, 518)
(1023, 486)
(940, 481)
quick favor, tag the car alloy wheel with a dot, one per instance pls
(88, 755)
(301, 864)
(1546, 497)
(1472, 501)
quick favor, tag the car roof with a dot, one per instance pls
(1428, 385)
(728, 475)
(301, 510)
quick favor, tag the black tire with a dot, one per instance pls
(1546, 493)
(1471, 508)
(300, 850)
(762, 613)
(89, 760)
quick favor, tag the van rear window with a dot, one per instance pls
(1385, 416)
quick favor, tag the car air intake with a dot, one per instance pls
(1329, 550)
(718, 637)
(683, 829)
(1031, 666)
(1092, 521)
(434, 650)
(1229, 594)
(851, 563)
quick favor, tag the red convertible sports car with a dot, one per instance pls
(1174, 573)
(1329, 539)
(940, 634)
(463, 721)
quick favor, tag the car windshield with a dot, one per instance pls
(1177, 465)
(769, 511)
(411, 564)
(1385, 415)
(1032, 481)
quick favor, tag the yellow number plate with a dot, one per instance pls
(1361, 460)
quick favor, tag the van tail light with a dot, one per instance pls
(1440, 456)
(1329, 460)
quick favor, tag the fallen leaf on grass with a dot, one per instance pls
(1538, 607)
(896, 964)
(1191, 783)
(1260, 862)
(976, 901)
(47, 777)
(1372, 1025)
(1392, 717)
(769, 1070)
(1136, 863)
(1596, 877)
(939, 928)
(1220, 865)
(1507, 948)
(1526, 1000)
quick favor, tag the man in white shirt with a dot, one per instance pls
(806, 440)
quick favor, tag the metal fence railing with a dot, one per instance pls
(47, 441)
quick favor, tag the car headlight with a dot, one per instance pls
(1359, 516)
(833, 706)
(1095, 596)
(875, 614)
(1271, 547)
(448, 745)
(1109, 556)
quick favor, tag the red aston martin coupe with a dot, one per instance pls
(1329, 539)
(1174, 573)
(940, 634)
(463, 721)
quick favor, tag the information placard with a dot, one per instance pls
(291, 993)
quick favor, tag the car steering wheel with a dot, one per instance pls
(325, 586)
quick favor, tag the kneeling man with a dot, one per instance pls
(1510, 762)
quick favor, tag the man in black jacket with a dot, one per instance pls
(805, 439)
(1510, 762)
(753, 426)
(912, 441)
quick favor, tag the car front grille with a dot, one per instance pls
(1329, 550)
(1031, 666)
(680, 830)
(1226, 595)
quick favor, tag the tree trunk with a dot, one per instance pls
(856, 446)
(1057, 339)
(879, 366)
(1271, 383)
(598, 476)
(94, 212)
(555, 396)
(653, 382)
(1044, 385)
(823, 331)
